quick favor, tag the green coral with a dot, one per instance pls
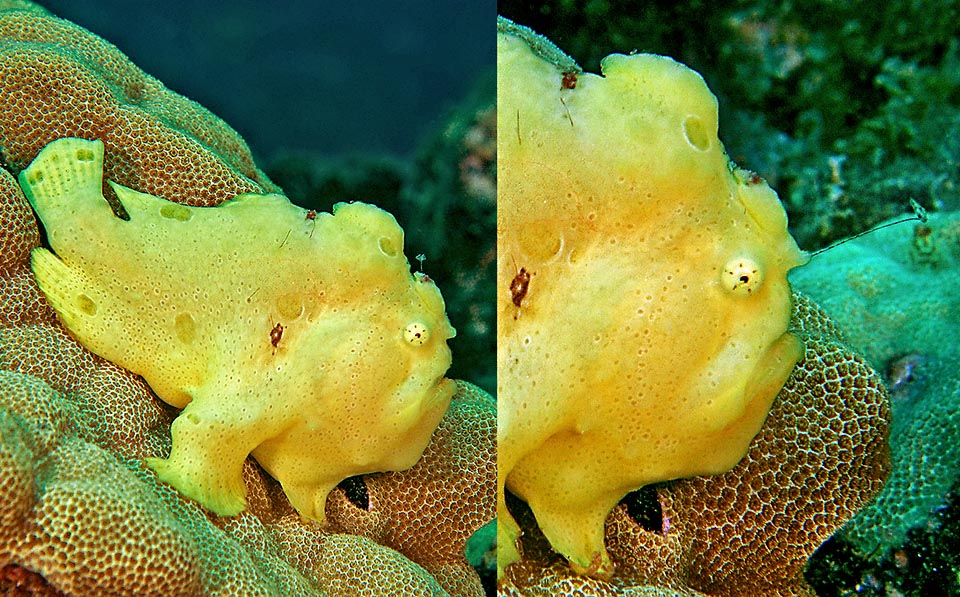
(893, 293)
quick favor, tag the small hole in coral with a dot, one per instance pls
(355, 489)
(643, 506)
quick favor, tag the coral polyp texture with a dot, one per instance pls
(60, 80)
(81, 513)
(648, 334)
(643, 303)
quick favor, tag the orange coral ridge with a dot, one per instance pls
(821, 455)
(76, 504)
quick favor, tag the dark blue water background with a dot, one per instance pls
(328, 77)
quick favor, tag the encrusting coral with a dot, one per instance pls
(651, 272)
(158, 142)
(78, 505)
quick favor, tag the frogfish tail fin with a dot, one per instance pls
(65, 175)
